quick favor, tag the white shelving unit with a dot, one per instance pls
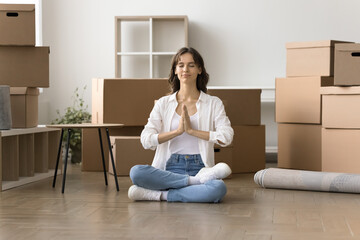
(145, 45)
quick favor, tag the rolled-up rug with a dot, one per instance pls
(308, 180)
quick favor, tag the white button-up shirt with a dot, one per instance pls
(212, 118)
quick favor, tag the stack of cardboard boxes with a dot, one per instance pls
(247, 151)
(309, 67)
(23, 67)
(341, 113)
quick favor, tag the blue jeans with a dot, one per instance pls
(175, 179)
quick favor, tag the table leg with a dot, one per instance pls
(58, 157)
(102, 156)
(66, 160)
(112, 159)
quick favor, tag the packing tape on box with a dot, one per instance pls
(308, 180)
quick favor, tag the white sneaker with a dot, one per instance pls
(137, 193)
(219, 171)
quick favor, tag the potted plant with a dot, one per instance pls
(77, 113)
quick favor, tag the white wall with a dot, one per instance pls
(242, 41)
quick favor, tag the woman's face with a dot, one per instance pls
(186, 69)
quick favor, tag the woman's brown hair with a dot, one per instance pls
(202, 79)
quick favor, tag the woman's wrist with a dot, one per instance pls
(199, 134)
(178, 132)
(190, 132)
(164, 137)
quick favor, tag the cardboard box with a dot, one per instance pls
(248, 149)
(224, 154)
(129, 152)
(341, 107)
(340, 150)
(347, 64)
(299, 146)
(126, 101)
(90, 146)
(24, 107)
(24, 66)
(298, 99)
(242, 106)
(310, 58)
(17, 24)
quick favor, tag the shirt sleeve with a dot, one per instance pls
(224, 133)
(150, 133)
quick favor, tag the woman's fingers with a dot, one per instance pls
(185, 111)
(181, 128)
(186, 118)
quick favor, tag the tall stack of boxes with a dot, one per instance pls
(341, 113)
(309, 67)
(247, 151)
(23, 67)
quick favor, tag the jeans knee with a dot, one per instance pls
(218, 191)
(136, 172)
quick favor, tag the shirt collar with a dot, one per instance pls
(173, 96)
(202, 97)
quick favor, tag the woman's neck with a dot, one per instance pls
(187, 93)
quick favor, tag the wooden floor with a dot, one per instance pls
(88, 210)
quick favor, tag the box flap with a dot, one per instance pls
(350, 47)
(340, 90)
(17, 7)
(24, 90)
(313, 44)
